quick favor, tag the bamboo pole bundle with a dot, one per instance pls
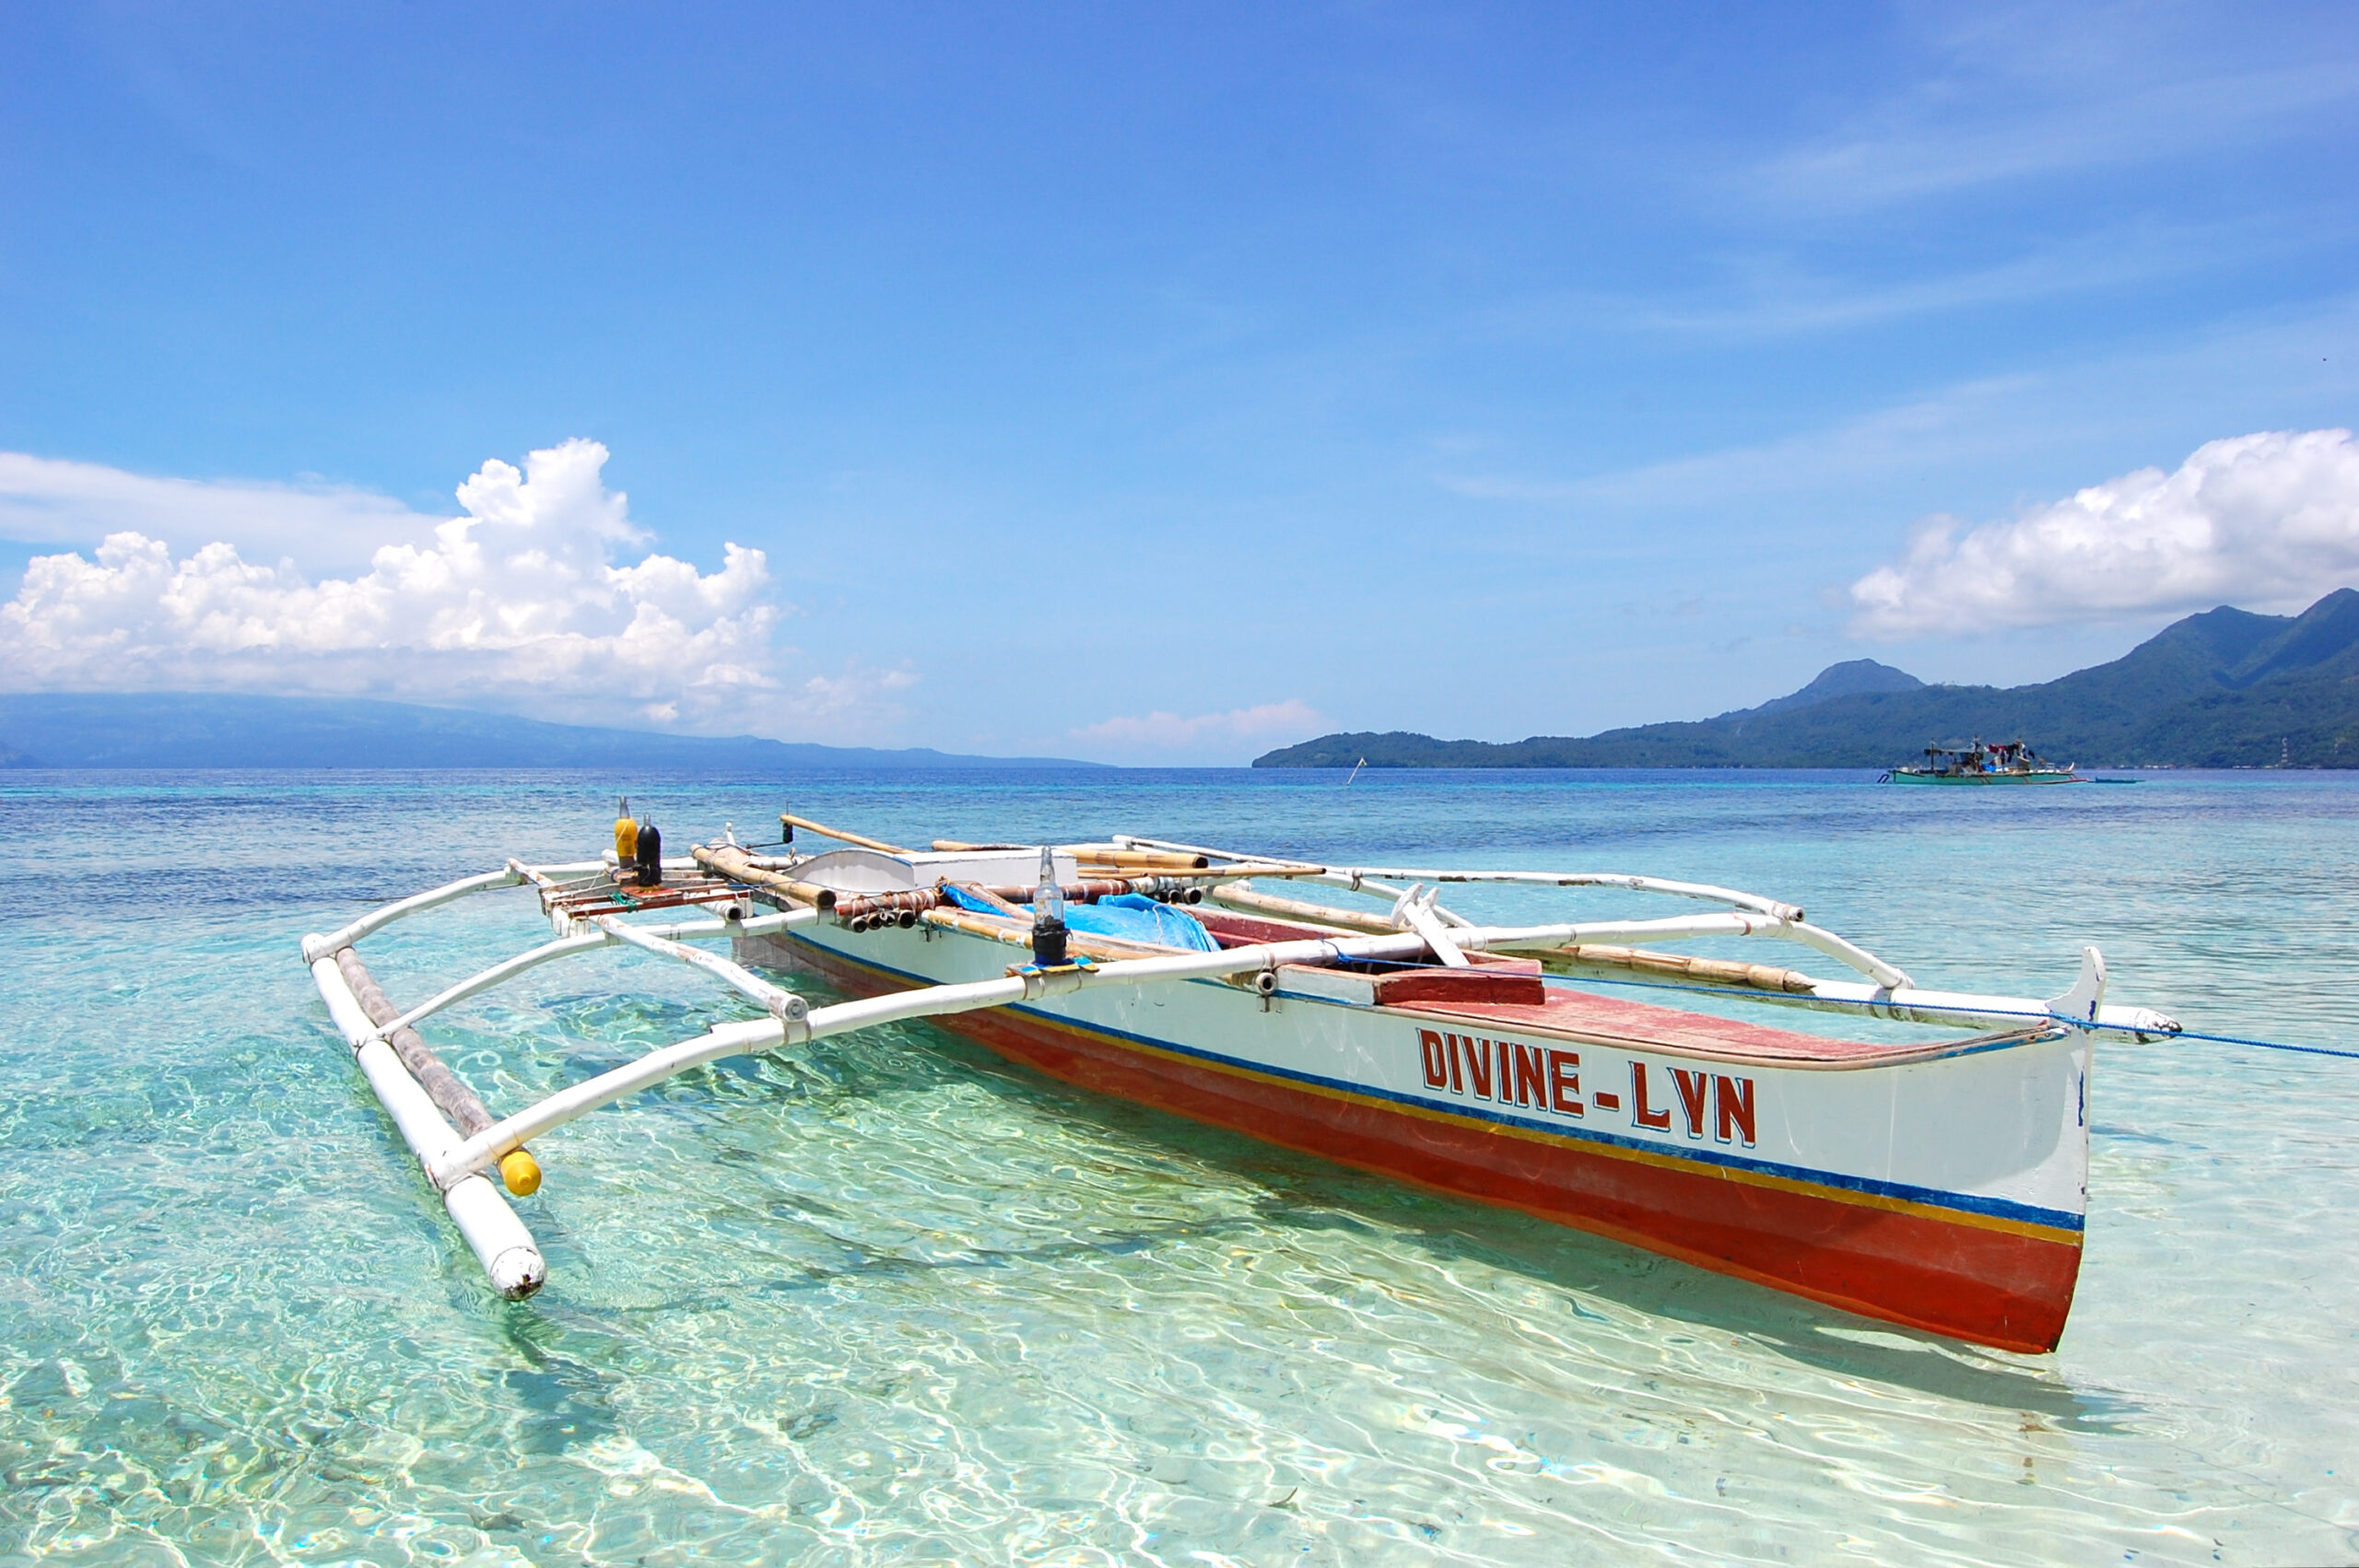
(1088, 892)
(729, 861)
(1018, 933)
(1355, 876)
(919, 900)
(1004, 906)
(1141, 860)
(1201, 874)
(1712, 971)
(977, 925)
(1241, 895)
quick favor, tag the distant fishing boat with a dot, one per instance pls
(1939, 1183)
(1981, 762)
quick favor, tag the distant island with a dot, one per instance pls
(192, 729)
(2225, 688)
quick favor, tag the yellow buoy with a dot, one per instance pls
(626, 834)
(520, 1172)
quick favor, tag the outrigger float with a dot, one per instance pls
(1938, 1183)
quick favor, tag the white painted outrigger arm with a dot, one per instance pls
(930, 1002)
(796, 1025)
(514, 1264)
(1417, 910)
(660, 940)
(1787, 917)
(510, 1259)
(316, 947)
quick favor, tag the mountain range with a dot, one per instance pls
(193, 730)
(2226, 688)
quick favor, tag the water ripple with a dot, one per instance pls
(900, 1302)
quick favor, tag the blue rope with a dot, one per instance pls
(1750, 995)
(2265, 1045)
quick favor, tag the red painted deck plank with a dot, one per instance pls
(1639, 1024)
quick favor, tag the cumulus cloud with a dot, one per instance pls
(51, 501)
(528, 601)
(2268, 521)
(1168, 732)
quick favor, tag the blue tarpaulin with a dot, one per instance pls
(1126, 917)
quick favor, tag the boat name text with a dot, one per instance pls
(1508, 1073)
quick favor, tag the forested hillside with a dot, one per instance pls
(2226, 688)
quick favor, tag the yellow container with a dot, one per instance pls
(520, 1172)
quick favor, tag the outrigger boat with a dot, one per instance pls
(1983, 762)
(1938, 1183)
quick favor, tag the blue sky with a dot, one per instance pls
(1163, 385)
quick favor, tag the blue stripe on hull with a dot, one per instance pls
(1835, 1182)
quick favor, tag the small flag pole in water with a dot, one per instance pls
(1355, 771)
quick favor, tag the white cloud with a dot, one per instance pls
(519, 604)
(1906, 436)
(1761, 295)
(858, 690)
(50, 501)
(1966, 429)
(2268, 520)
(1168, 732)
(2005, 94)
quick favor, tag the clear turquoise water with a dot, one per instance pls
(899, 1302)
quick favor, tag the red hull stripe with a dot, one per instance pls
(1925, 1268)
(1954, 1208)
(2000, 1288)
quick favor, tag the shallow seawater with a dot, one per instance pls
(894, 1300)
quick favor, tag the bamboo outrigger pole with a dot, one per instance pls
(1356, 877)
(790, 820)
(499, 1239)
